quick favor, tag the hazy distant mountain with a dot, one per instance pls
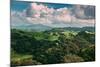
(39, 27)
(76, 29)
(33, 27)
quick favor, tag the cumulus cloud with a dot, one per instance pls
(84, 12)
(76, 16)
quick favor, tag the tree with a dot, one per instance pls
(88, 54)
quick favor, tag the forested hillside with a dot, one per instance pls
(48, 47)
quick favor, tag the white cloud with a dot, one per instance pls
(41, 14)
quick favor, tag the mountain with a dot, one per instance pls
(76, 29)
(21, 23)
(33, 27)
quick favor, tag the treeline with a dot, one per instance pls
(61, 49)
(76, 29)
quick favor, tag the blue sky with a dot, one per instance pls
(21, 5)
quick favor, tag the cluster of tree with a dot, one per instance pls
(79, 48)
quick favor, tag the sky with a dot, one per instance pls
(52, 14)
